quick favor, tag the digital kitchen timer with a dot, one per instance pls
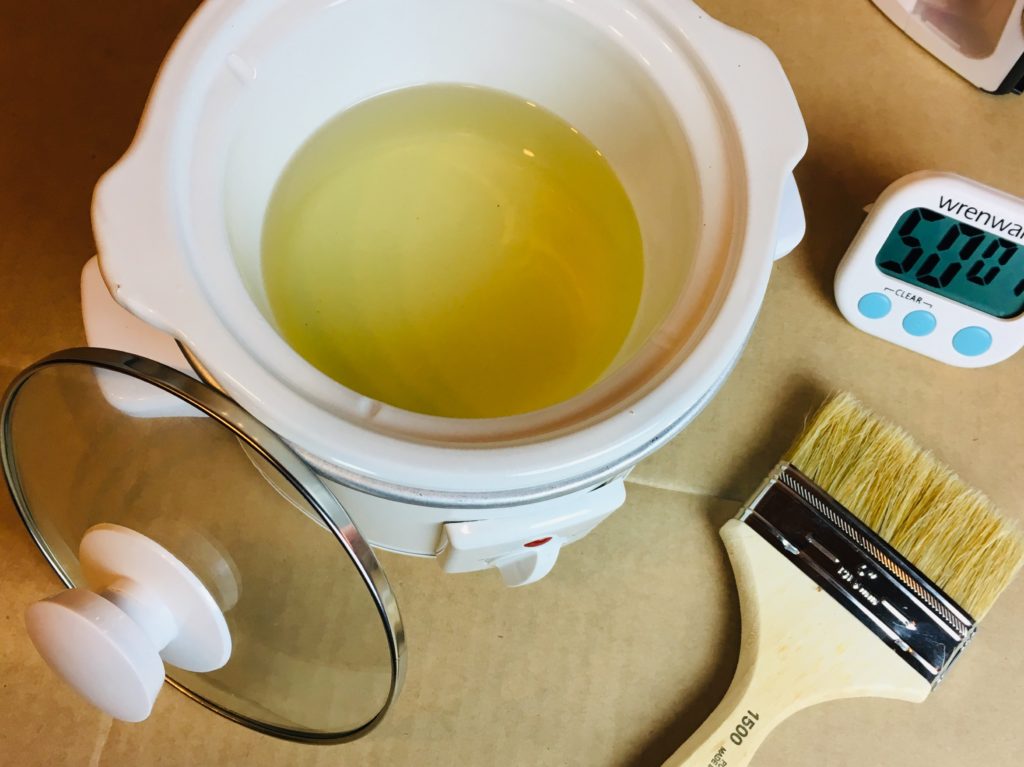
(938, 267)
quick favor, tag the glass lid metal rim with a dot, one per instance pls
(271, 448)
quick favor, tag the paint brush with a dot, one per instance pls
(863, 567)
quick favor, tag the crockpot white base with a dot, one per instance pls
(522, 542)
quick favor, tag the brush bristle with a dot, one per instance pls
(949, 531)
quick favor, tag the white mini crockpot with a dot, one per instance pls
(698, 121)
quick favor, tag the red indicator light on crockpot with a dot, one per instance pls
(536, 543)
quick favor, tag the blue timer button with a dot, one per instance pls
(920, 323)
(874, 306)
(972, 342)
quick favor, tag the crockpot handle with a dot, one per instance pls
(755, 90)
(109, 642)
(109, 326)
(792, 224)
(136, 234)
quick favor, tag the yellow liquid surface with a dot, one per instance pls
(455, 251)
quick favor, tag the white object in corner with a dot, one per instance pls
(982, 41)
(143, 607)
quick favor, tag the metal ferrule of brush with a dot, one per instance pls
(860, 570)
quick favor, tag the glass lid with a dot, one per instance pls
(316, 641)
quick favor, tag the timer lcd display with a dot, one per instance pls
(957, 261)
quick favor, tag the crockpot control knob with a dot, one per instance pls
(530, 565)
(143, 607)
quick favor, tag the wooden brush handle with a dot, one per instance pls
(799, 647)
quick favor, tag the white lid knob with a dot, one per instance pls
(96, 648)
(144, 606)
